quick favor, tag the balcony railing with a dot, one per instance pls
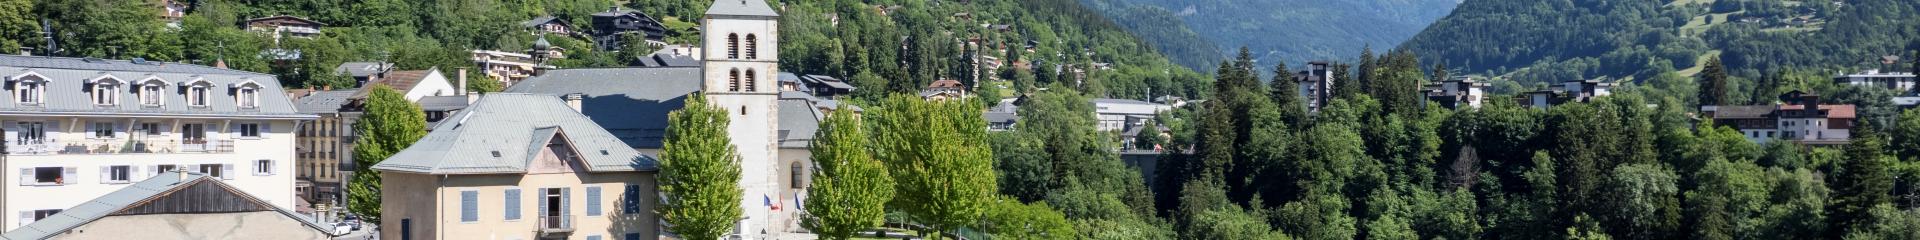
(556, 224)
(116, 146)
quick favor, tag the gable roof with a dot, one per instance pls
(285, 17)
(632, 103)
(401, 81)
(66, 94)
(741, 8)
(136, 199)
(535, 22)
(496, 136)
(362, 69)
(324, 101)
(799, 120)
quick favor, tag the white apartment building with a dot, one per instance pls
(78, 129)
(1120, 114)
(1900, 82)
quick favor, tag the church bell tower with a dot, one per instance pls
(741, 69)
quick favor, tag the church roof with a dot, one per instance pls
(501, 132)
(630, 102)
(741, 8)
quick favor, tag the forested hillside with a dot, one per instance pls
(1296, 31)
(1583, 39)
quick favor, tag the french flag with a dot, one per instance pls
(768, 201)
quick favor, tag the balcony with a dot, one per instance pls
(556, 224)
(117, 146)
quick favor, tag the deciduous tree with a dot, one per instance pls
(390, 124)
(850, 189)
(699, 172)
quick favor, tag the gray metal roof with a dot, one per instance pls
(500, 134)
(324, 101)
(66, 93)
(741, 8)
(135, 195)
(1120, 101)
(632, 103)
(541, 20)
(362, 69)
(443, 103)
(799, 120)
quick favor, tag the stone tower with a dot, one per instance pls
(740, 69)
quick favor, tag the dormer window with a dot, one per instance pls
(106, 91)
(247, 94)
(197, 96)
(153, 92)
(30, 90)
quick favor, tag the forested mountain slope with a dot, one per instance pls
(1293, 30)
(1575, 39)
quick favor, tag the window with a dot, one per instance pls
(106, 92)
(797, 177)
(753, 47)
(164, 168)
(630, 200)
(30, 90)
(248, 97)
(469, 206)
(733, 46)
(513, 204)
(215, 170)
(49, 176)
(750, 80)
(197, 96)
(262, 167)
(248, 130)
(593, 201)
(193, 133)
(152, 94)
(102, 130)
(632, 236)
(30, 133)
(36, 215)
(593, 237)
(116, 174)
(733, 80)
(147, 128)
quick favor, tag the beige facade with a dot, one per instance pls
(434, 206)
(241, 225)
(67, 158)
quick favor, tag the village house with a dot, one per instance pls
(609, 25)
(174, 205)
(284, 26)
(944, 89)
(1900, 82)
(1568, 91)
(82, 128)
(548, 25)
(1457, 92)
(519, 166)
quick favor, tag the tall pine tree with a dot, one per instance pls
(1861, 182)
(1713, 83)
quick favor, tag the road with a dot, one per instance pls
(365, 233)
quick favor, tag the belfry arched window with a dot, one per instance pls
(733, 46)
(733, 80)
(753, 47)
(750, 80)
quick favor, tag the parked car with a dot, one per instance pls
(342, 228)
(353, 221)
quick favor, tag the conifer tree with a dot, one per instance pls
(390, 124)
(1286, 95)
(699, 172)
(1713, 83)
(1861, 181)
(850, 189)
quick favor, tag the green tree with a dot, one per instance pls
(699, 172)
(1861, 182)
(1906, 136)
(1233, 223)
(1645, 199)
(1149, 137)
(1713, 83)
(1286, 95)
(938, 155)
(391, 123)
(18, 26)
(850, 189)
(1010, 219)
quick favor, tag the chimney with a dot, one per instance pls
(462, 74)
(615, 8)
(220, 63)
(573, 100)
(26, 51)
(472, 97)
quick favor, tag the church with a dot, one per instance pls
(771, 123)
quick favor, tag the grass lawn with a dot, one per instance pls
(1699, 64)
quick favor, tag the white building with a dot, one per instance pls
(81, 128)
(1120, 114)
(1458, 92)
(1801, 119)
(1898, 81)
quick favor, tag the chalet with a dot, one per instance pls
(363, 72)
(609, 25)
(284, 26)
(548, 25)
(944, 89)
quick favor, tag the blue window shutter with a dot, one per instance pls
(513, 204)
(633, 236)
(541, 195)
(469, 209)
(566, 201)
(630, 202)
(593, 201)
(593, 237)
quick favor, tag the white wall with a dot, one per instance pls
(276, 144)
(434, 84)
